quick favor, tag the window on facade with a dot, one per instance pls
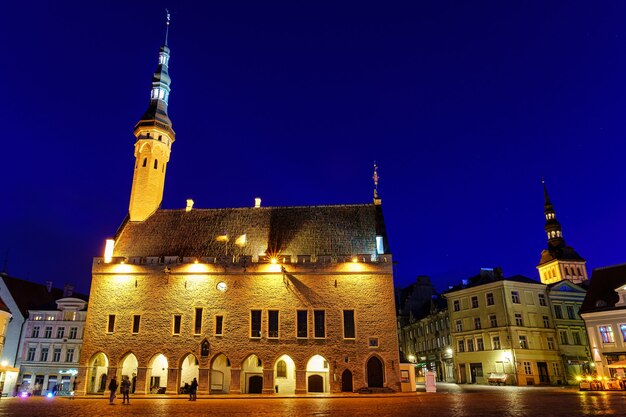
(319, 318)
(495, 342)
(30, 356)
(459, 326)
(550, 343)
(457, 305)
(47, 332)
(197, 328)
(156, 163)
(622, 327)
(470, 345)
(518, 319)
(490, 301)
(606, 332)
(35, 332)
(477, 323)
(43, 357)
(555, 368)
(176, 324)
(73, 332)
(461, 346)
(515, 297)
(493, 320)
(523, 342)
(564, 338)
(69, 355)
(281, 369)
(219, 325)
(546, 322)
(570, 313)
(474, 301)
(272, 323)
(145, 162)
(527, 368)
(136, 323)
(480, 345)
(576, 337)
(111, 323)
(60, 332)
(56, 355)
(348, 324)
(542, 300)
(302, 325)
(255, 323)
(558, 312)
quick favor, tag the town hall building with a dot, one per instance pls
(288, 300)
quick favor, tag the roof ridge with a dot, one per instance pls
(270, 207)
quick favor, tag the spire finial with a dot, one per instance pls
(167, 25)
(375, 178)
(545, 191)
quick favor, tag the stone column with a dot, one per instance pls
(172, 381)
(268, 381)
(111, 372)
(235, 381)
(81, 378)
(300, 381)
(140, 383)
(203, 381)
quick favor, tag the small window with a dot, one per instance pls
(470, 345)
(69, 355)
(197, 329)
(515, 297)
(490, 301)
(255, 323)
(60, 332)
(570, 313)
(459, 326)
(546, 322)
(145, 162)
(373, 343)
(43, 356)
(348, 324)
(176, 324)
(31, 354)
(56, 355)
(35, 332)
(474, 301)
(281, 369)
(493, 320)
(477, 323)
(111, 324)
(527, 368)
(564, 337)
(319, 318)
(73, 332)
(577, 339)
(156, 163)
(136, 322)
(519, 321)
(47, 332)
(219, 325)
(495, 342)
(542, 300)
(606, 332)
(272, 324)
(558, 312)
(457, 305)
(480, 345)
(461, 346)
(523, 342)
(550, 343)
(302, 329)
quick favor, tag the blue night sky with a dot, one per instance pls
(464, 105)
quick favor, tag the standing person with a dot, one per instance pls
(192, 390)
(112, 388)
(125, 389)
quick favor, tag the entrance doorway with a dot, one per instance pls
(317, 374)
(255, 384)
(316, 383)
(375, 377)
(252, 375)
(476, 371)
(542, 368)
(220, 375)
(346, 381)
(462, 374)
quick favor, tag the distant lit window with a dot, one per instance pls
(606, 332)
(380, 247)
(622, 327)
(281, 369)
(523, 342)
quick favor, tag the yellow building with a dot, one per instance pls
(245, 300)
(502, 329)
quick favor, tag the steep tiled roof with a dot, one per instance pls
(32, 296)
(564, 253)
(601, 293)
(489, 276)
(307, 230)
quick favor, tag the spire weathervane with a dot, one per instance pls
(375, 178)
(167, 25)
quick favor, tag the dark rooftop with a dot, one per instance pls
(487, 276)
(601, 293)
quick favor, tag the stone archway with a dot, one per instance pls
(252, 375)
(97, 372)
(285, 375)
(317, 374)
(220, 375)
(346, 381)
(128, 367)
(375, 373)
(157, 374)
(189, 369)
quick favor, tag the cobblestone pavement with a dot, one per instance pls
(450, 400)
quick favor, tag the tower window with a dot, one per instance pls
(145, 162)
(160, 138)
(156, 163)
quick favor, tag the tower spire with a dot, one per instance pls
(552, 226)
(375, 177)
(153, 146)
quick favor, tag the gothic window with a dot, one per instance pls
(281, 369)
(156, 163)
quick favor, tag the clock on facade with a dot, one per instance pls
(222, 286)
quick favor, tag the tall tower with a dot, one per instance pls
(558, 261)
(155, 136)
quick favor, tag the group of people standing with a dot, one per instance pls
(125, 390)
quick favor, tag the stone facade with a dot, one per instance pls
(128, 290)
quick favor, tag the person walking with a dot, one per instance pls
(193, 389)
(125, 389)
(112, 388)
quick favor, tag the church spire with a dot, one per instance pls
(377, 199)
(552, 226)
(155, 136)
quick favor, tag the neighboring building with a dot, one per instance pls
(246, 300)
(410, 300)
(20, 296)
(503, 326)
(50, 346)
(7, 372)
(604, 312)
(426, 341)
(566, 299)
(559, 261)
